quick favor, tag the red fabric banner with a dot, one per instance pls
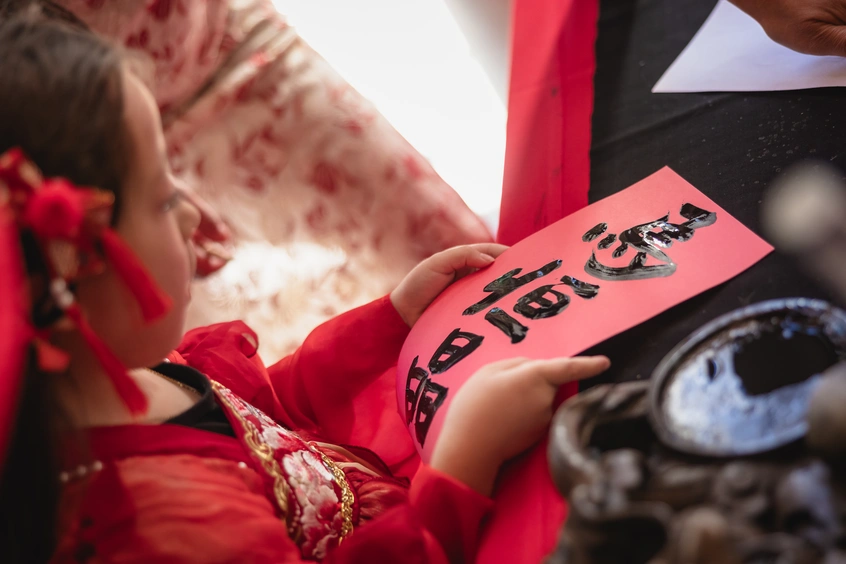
(547, 153)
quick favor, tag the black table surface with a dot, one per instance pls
(730, 146)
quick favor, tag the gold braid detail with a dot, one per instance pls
(281, 488)
(347, 497)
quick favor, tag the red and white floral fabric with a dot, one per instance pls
(330, 206)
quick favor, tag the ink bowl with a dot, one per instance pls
(740, 385)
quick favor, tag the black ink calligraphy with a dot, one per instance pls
(431, 399)
(545, 307)
(594, 232)
(423, 398)
(507, 283)
(584, 290)
(413, 382)
(541, 303)
(646, 241)
(607, 241)
(448, 354)
(507, 324)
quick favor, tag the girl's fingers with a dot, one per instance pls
(508, 363)
(491, 249)
(479, 255)
(558, 371)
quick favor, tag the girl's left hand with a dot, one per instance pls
(431, 277)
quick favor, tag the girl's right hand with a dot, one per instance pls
(502, 410)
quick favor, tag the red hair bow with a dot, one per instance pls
(71, 226)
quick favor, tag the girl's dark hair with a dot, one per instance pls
(48, 8)
(61, 101)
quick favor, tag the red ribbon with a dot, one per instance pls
(72, 227)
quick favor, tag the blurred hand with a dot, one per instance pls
(432, 276)
(815, 27)
(502, 410)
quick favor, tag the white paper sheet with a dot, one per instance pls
(731, 53)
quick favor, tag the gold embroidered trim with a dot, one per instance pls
(281, 489)
(347, 497)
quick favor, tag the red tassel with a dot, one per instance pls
(127, 389)
(50, 358)
(154, 303)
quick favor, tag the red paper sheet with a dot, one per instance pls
(713, 254)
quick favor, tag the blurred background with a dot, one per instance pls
(437, 70)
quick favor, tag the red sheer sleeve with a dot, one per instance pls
(185, 509)
(440, 524)
(339, 386)
(341, 383)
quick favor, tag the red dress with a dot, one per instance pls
(168, 493)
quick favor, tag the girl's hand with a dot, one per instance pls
(431, 277)
(502, 410)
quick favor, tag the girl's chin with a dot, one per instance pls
(175, 330)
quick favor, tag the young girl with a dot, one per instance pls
(209, 456)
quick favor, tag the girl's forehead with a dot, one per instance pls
(144, 127)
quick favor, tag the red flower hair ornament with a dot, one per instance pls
(71, 226)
